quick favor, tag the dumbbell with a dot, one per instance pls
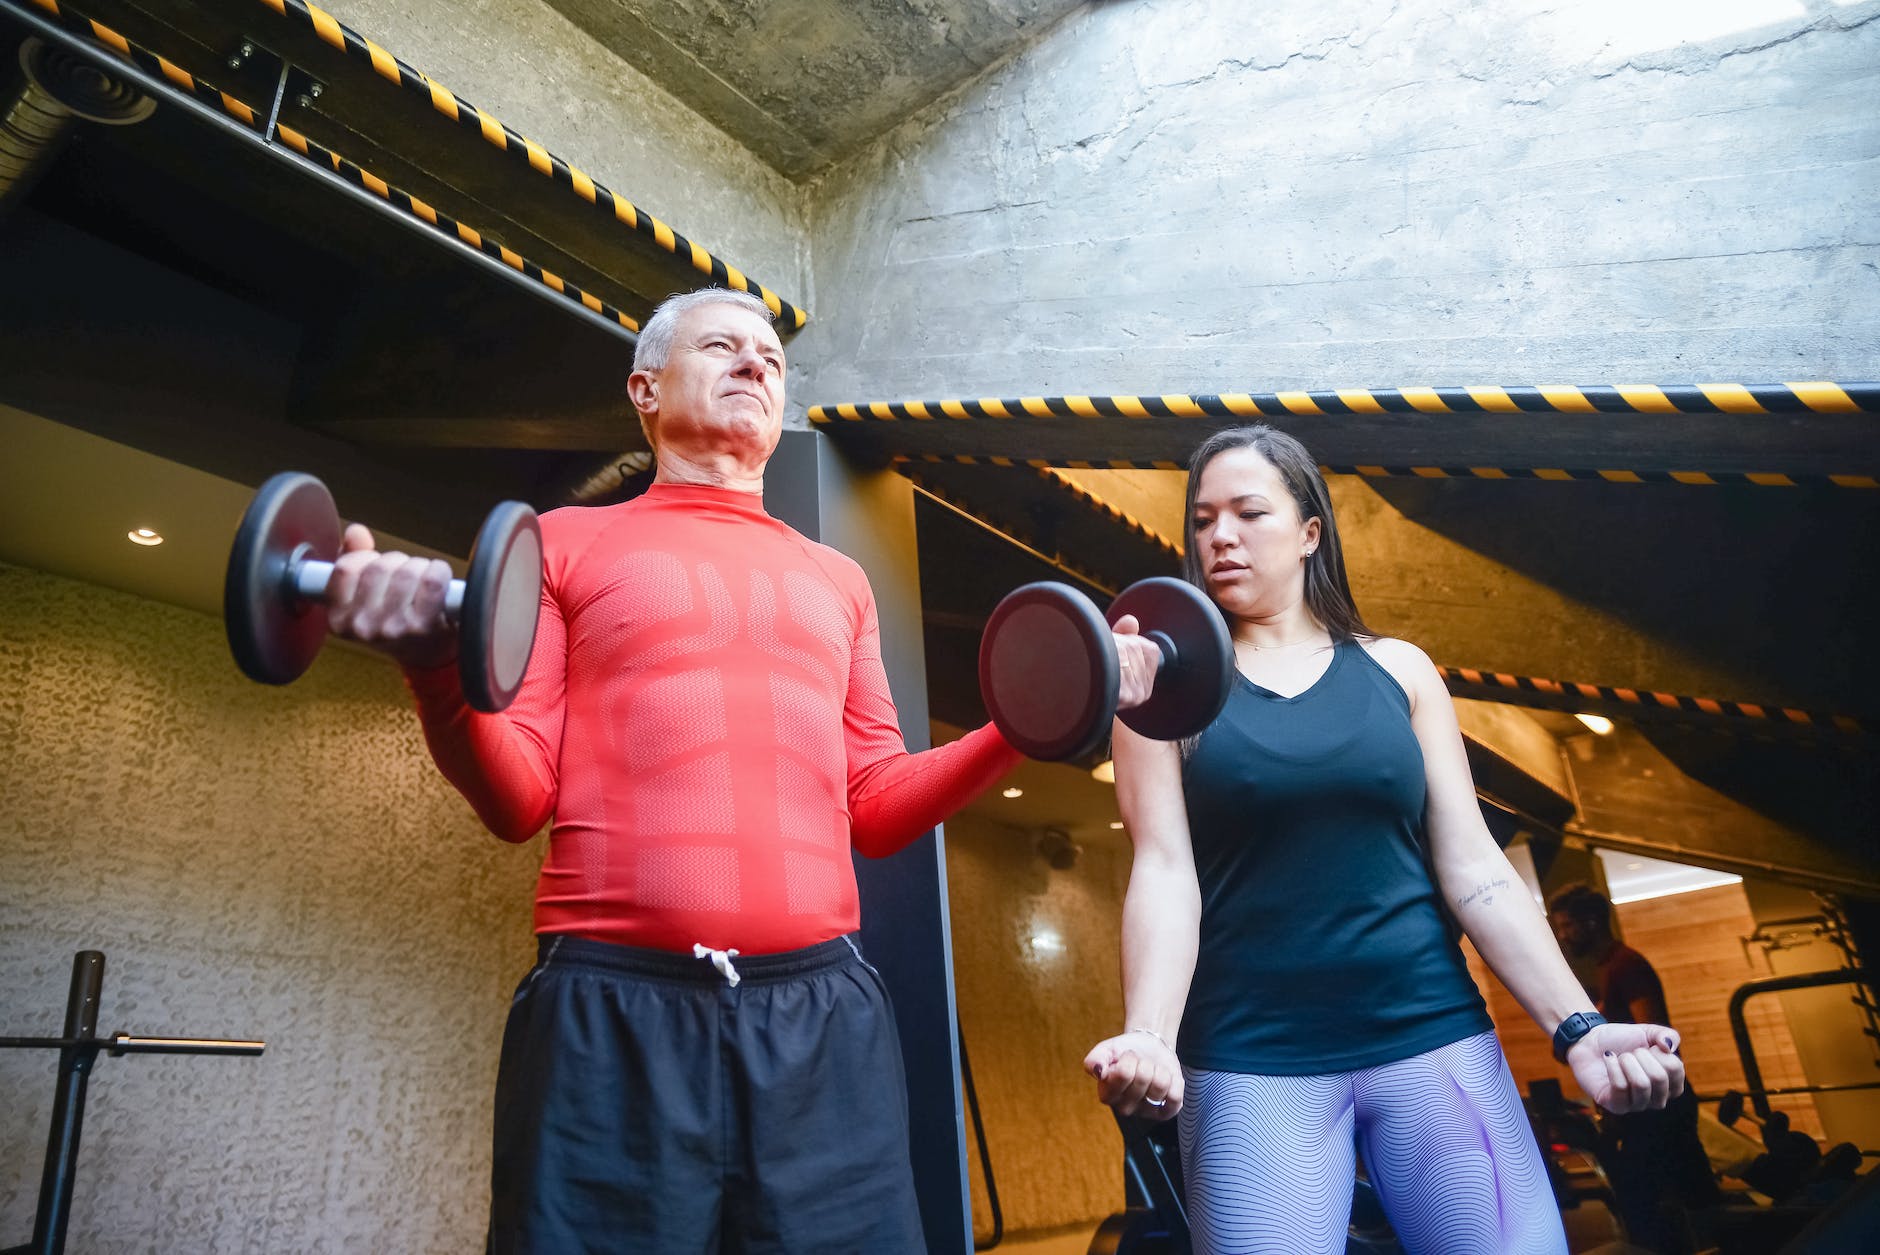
(273, 601)
(1049, 675)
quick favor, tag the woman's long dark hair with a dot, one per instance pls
(1328, 593)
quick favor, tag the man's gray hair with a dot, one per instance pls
(655, 344)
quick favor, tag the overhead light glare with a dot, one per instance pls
(1015, 792)
(1115, 824)
(1105, 771)
(1708, 882)
(143, 536)
(1600, 725)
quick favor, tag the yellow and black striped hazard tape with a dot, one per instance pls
(1490, 685)
(450, 226)
(1568, 695)
(1701, 398)
(1470, 681)
(1058, 480)
(1710, 398)
(1545, 474)
(256, 121)
(446, 102)
(1052, 475)
(1004, 528)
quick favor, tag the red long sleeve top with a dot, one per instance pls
(707, 721)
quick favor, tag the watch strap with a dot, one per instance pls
(1571, 1029)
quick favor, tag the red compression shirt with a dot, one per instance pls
(707, 721)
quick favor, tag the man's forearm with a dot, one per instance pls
(899, 798)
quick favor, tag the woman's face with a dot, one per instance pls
(1248, 535)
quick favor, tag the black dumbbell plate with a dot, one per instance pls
(1047, 671)
(501, 602)
(1189, 695)
(274, 633)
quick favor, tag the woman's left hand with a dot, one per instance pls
(1628, 1067)
(1137, 1074)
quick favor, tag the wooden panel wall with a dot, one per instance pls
(1695, 941)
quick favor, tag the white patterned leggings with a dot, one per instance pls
(1269, 1161)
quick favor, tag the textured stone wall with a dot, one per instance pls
(255, 862)
(1192, 195)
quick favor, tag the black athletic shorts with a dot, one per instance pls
(645, 1104)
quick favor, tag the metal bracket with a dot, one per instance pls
(244, 52)
(303, 88)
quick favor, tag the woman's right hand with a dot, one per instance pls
(1137, 1074)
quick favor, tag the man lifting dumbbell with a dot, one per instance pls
(700, 1054)
(283, 573)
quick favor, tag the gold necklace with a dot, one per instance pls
(1264, 649)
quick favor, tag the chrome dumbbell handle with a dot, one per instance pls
(308, 578)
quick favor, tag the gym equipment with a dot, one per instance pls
(282, 561)
(1153, 1220)
(78, 1049)
(1049, 673)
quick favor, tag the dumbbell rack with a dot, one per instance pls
(78, 1049)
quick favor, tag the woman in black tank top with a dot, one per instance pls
(1298, 866)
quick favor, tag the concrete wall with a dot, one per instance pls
(540, 73)
(1199, 196)
(280, 864)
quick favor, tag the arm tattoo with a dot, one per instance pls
(1485, 892)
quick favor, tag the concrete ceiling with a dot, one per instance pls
(803, 83)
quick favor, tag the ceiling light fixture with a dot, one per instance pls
(143, 536)
(1105, 771)
(1115, 824)
(1015, 791)
(1600, 725)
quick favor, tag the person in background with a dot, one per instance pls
(1651, 1157)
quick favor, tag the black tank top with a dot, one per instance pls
(1324, 947)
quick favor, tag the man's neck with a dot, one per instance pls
(719, 470)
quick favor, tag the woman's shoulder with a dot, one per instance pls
(1404, 662)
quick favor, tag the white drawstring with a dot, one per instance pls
(721, 959)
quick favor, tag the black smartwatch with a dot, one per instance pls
(1571, 1029)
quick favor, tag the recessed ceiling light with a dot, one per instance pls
(1015, 792)
(1598, 723)
(1116, 824)
(1105, 771)
(143, 536)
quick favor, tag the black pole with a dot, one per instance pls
(1739, 1024)
(68, 1104)
(985, 1156)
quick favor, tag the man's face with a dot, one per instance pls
(721, 389)
(1577, 938)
